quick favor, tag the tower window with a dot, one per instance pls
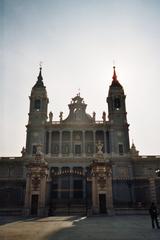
(37, 104)
(117, 103)
(121, 151)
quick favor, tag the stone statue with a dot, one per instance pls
(50, 117)
(39, 157)
(104, 117)
(94, 116)
(99, 146)
(39, 150)
(61, 116)
(23, 151)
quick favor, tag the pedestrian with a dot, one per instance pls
(154, 214)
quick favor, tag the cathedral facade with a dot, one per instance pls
(78, 165)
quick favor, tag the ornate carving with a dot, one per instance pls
(94, 116)
(35, 182)
(104, 117)
(23, 151)
(61, 116)
(99, 146)
(102, 181)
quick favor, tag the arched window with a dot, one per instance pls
(37, 104)
(117, 103)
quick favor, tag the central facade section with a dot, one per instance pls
(77, 135)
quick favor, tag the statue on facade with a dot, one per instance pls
(50, 117)
(61, 116)
(94, 116)
(23, 151)
(104, 117)
(99, 146)
(39, 157)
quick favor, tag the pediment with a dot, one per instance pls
(77, 112)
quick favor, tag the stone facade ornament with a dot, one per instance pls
(37, 174)
(94, 116)
(102, 185)
(104, 117)
(99, 146)
(61, 116)
(50, 117)
(23, 151)
(36, 182)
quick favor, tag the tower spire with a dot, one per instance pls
(114, 74)
(40, 72)
(39, 82)
(40, 78)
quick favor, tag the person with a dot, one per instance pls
(154, 213)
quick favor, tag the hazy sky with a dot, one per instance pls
(77, 42)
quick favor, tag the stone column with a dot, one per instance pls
(109, 198)
(71, 185)
(152, 187)
(71, 143)
(94, 142)
(105, 142)
(94, 195)
(60, 143)
(42, 210)
(84, 143)
(84, 187)
(27, 204)
(50, 142)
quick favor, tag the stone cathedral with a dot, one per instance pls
(78, 165)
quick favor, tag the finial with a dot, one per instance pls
(78, 92)
(39, 82)
(40, 78)
(40, 65)
(114, 74)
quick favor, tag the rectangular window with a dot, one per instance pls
(121, 149)
(77, 149)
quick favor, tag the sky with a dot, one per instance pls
(78, 42)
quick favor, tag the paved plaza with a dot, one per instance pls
(78, 228)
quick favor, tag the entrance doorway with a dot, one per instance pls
(34, 205)
(102, 203)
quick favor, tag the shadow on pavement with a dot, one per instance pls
(107, 228)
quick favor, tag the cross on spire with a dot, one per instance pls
(40, 65)
(78, 92)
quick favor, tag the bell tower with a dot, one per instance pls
(37, 115)
(117, 117)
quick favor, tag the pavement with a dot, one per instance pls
(78, 228)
